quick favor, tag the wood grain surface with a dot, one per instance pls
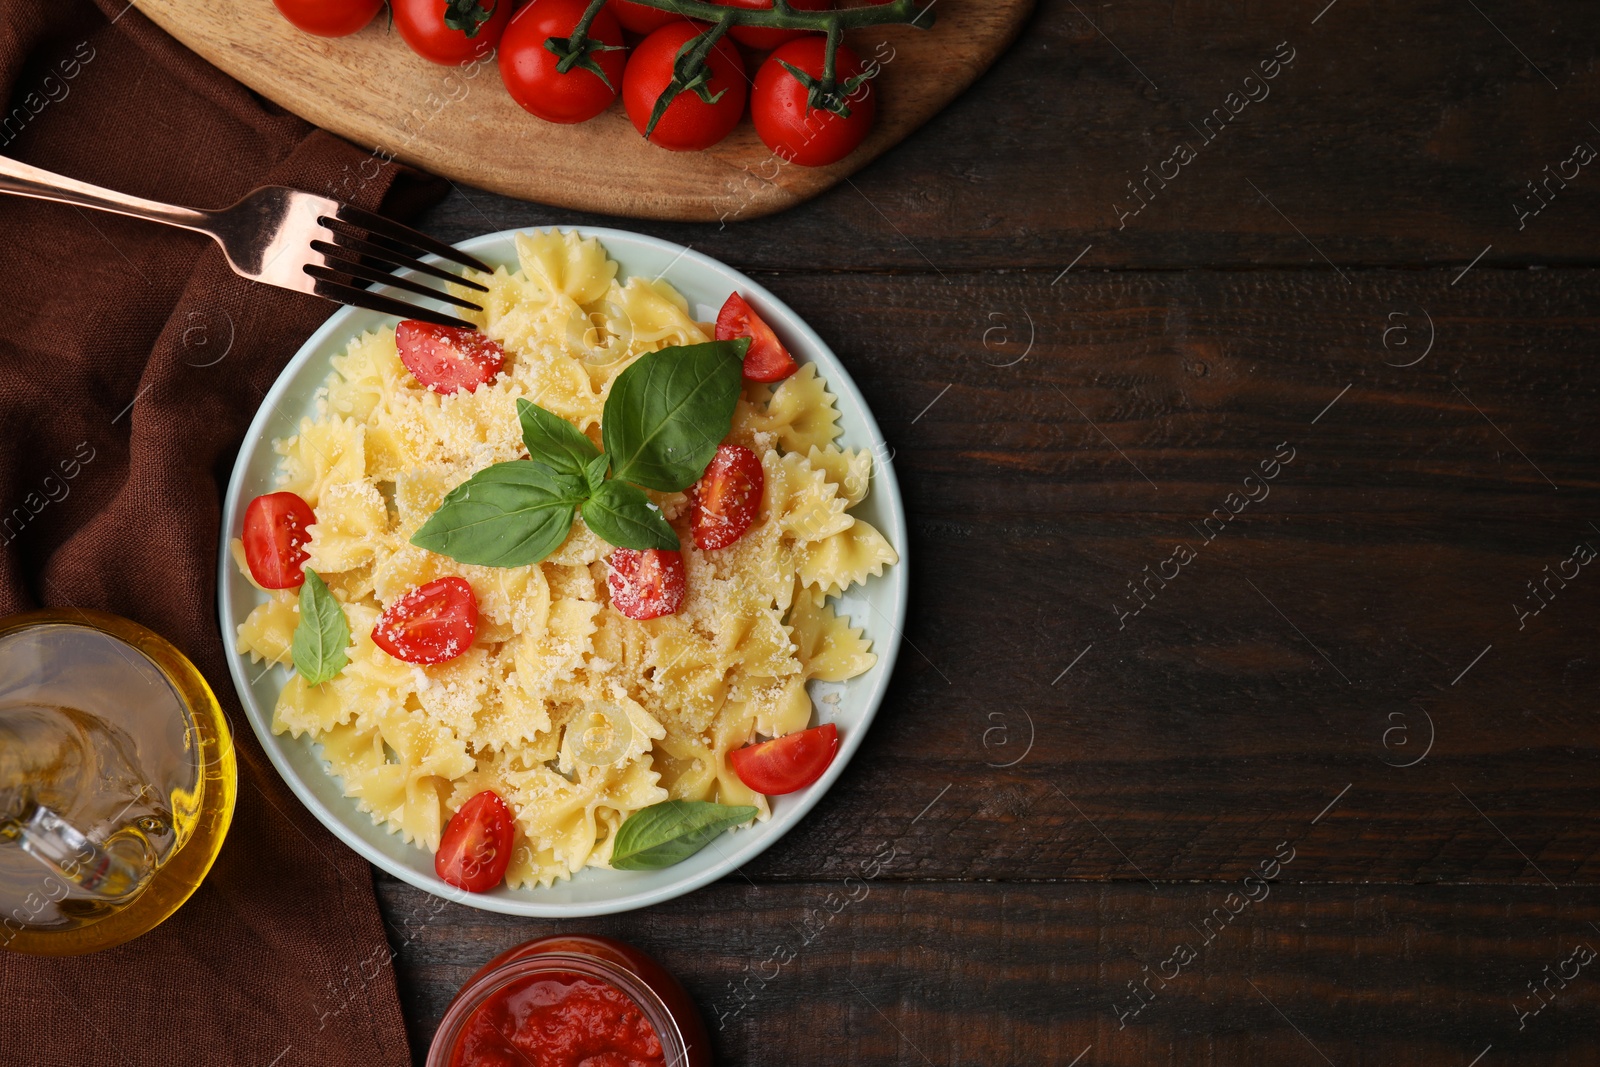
(1351, 670)
(1401, 135)
(1019, 974)
(460, 122)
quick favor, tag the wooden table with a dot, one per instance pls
(1326, 360)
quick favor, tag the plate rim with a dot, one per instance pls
(887, 648)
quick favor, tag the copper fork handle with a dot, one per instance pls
(24, 180)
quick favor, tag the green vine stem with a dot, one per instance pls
(689, 70)
(781, 16)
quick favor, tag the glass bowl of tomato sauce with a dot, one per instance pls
(571, 1000)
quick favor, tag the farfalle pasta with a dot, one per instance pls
(573, 713)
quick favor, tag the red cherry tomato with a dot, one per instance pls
(724, 502)
(447, 358)
(329, 18)
(275, 529)
(475, 848)
(422, 24)
(529, 68)
(637, 18)
(762, 38)
(434, 623)
(689, 122)
(779, 106)
(648, 584)
(766, 360)
(786, 763)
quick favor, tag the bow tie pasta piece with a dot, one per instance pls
(687, 765)
(831, 649)
(776, 706)
(322, 453)
(849, 469)
(352, 518)
(455, 693)
(313, 709)
(801, 414)
(268, 631)
(654, 314)
(800, 500)
(365, 375)
(406, 790)
(557, 262)
(847, 558)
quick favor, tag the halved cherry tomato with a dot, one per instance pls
(648, 584)
(275, 531)
(423, 24)
(786, 763)
(766, 360)
(689, 122)
(447, 358)
(762, 38)
(433, 623)
(529, 68)
(637, 18)
(329, 18)
(724, 502)
(475, 848)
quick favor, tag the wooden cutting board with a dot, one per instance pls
(459, 122)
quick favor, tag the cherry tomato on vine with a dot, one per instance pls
(475, 849)
(639, 18)
(781, 109)
(689, 122)
(724, 502)
(329, 18)
(786, 763)
(763, 38)
(766, 360)
(648, 584)
(275, 534)
(434, 623)
(447, 358)
(529, 68)
(437, 29)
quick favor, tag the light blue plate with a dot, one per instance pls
(879, 605)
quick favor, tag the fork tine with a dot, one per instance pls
(336, 267)
(364, 298)
(345, 243)
(406, 235)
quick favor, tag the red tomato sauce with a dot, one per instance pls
(558, 1020)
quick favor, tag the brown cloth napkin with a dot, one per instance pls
(136, 342)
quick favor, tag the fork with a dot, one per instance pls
(287, 238)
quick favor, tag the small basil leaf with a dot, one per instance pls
(507, 515)
(322, 634)
(595, 472)
(624, 516)
(671, 832)
(554, 441)
(668, 412)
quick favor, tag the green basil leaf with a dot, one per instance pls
(668, 412)
(507, 515)
(624, 516)
(595, 472)
(672, 831)
(554, 441)
(322, 634)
